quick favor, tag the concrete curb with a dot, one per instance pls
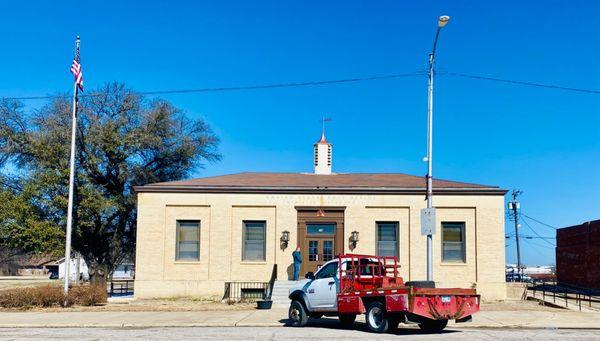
(203, 325)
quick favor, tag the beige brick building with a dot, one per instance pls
(195, 235)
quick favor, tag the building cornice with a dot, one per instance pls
(317, 190)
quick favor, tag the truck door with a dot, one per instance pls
(323, 289)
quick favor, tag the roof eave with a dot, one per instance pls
(320, 190)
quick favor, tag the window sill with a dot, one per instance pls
(186, 262)
(454, 264)
(253, 262)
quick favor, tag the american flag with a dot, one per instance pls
(76, 69)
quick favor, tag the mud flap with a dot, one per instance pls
(464, 319)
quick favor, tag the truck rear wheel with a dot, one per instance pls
(433, 326)
(376, 319)
(297, 314)
(347, 320)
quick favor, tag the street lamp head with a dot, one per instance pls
(443, 20)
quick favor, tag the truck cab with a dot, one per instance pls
(319, 290)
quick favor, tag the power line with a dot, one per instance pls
(248, 87)
(326, 82)
(526, 83)
(538, 245)
(534, 237)
(539, 222)
(537, 234)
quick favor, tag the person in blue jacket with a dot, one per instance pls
(297, 262)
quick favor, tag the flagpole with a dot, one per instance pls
(71, 183)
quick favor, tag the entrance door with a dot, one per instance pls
(319, 245)
(320, 251)
(320, 235)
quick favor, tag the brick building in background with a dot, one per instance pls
(578, 255)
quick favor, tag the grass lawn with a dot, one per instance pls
(7, 282)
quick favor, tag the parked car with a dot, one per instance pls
(516, 277)
(362, 284)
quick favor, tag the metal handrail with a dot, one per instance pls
(269, 289)
(565, 293)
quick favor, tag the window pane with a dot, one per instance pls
(254, 241)
(188, 240)
(453, 251)
(387, 231)
(328, 271)
(254, 251)
(453, 233)
(320, 228)
(255, 231)
(453, 242)
(387, 239)
(313, 250)
(188, 246)
(387, 249)
(327, 250)
(188, 233)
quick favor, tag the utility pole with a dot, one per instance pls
(428, 214)
(514, 205)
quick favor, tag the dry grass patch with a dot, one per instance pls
(51, 296)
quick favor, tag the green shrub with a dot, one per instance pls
(49, 295)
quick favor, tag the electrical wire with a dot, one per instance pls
(537, 245)
(537, 234)
(526, 83)
(537, 221)
(332, 81)
(249, 87)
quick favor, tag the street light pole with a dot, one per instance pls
(442, 21)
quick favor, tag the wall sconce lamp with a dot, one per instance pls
(354, 238)
(285, 238)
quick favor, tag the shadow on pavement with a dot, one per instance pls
(333, 323)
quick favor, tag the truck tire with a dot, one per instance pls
(347, 320)
(297, 314)
(376, 319)
(433, 326)
(420, 284)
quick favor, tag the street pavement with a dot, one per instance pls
(277, 317)
(329, 331)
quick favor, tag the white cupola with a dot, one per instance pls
(322, 156)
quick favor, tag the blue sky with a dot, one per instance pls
(542, 141)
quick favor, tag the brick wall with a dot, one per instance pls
(578, 255)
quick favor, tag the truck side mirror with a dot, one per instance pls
(310, 275)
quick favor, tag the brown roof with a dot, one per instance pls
(311, 183)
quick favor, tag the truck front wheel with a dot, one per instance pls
(433, 326)
(376, 319)
(297, 314)
(347, 320)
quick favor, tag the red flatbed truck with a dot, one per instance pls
(364, 284)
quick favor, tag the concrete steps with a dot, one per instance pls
(281, 291)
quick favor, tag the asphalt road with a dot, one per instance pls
(287, 333)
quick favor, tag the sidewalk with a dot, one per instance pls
(275, 318)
